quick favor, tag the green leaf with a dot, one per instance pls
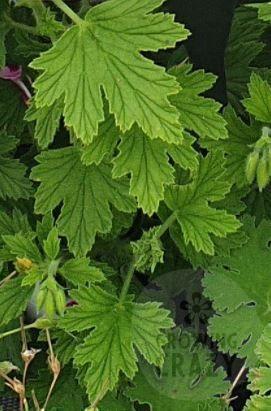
(190, 203)
(103, 144)
(22, 246)
(79, 271)
(264, 11)
(147, 161)
(51, 245)
(86, 193)
(47, 121)
(115, 403)
(239, 286)
(187, 381)
(237, 146)
(14, 223)
(3, 31)
(109, 41)
(119, 328)
(12, 108)
(13, 183)
(184, 154)
(198, 113)
(259, 102)
(13, 300)
(244, 46)
(260, 377)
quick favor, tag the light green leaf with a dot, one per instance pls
(187, 381)
(147, 161)
(239, 286)
(109, 42)
(79, 271)
(190, 203)
(86, 193)
(119, 328)
(103, 144)
(51, 245)
(47, 121)
(184, 154)
(13, 300)
(198, 113)
(259, 102)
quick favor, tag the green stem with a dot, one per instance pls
(20, 26)
(127, 282)
(166, 225)
(68, 11)
(17, 330)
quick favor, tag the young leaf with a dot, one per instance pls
(79, 271)
(118, 330)
(86, 193)
(109, 42)
(51, 245)
(259, 102)
(197, 113)
(187, 381)
(147, 161)
(13, 300)
(239, 286)
(190, 202)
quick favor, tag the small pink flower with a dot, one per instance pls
(14, 74)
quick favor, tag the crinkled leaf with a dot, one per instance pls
(86, 193)
(119, 328)
(109, 41)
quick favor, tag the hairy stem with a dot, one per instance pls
(127, 282)
(17, 330)
(166, 225)
(68, 11)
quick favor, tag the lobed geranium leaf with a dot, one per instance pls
(86, 193)
(117, 329)
(191, 203)
(103, 51)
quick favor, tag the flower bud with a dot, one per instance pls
(251, 166)
(263, 172)
(23, 264)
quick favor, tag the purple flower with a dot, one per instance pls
(14, 74)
